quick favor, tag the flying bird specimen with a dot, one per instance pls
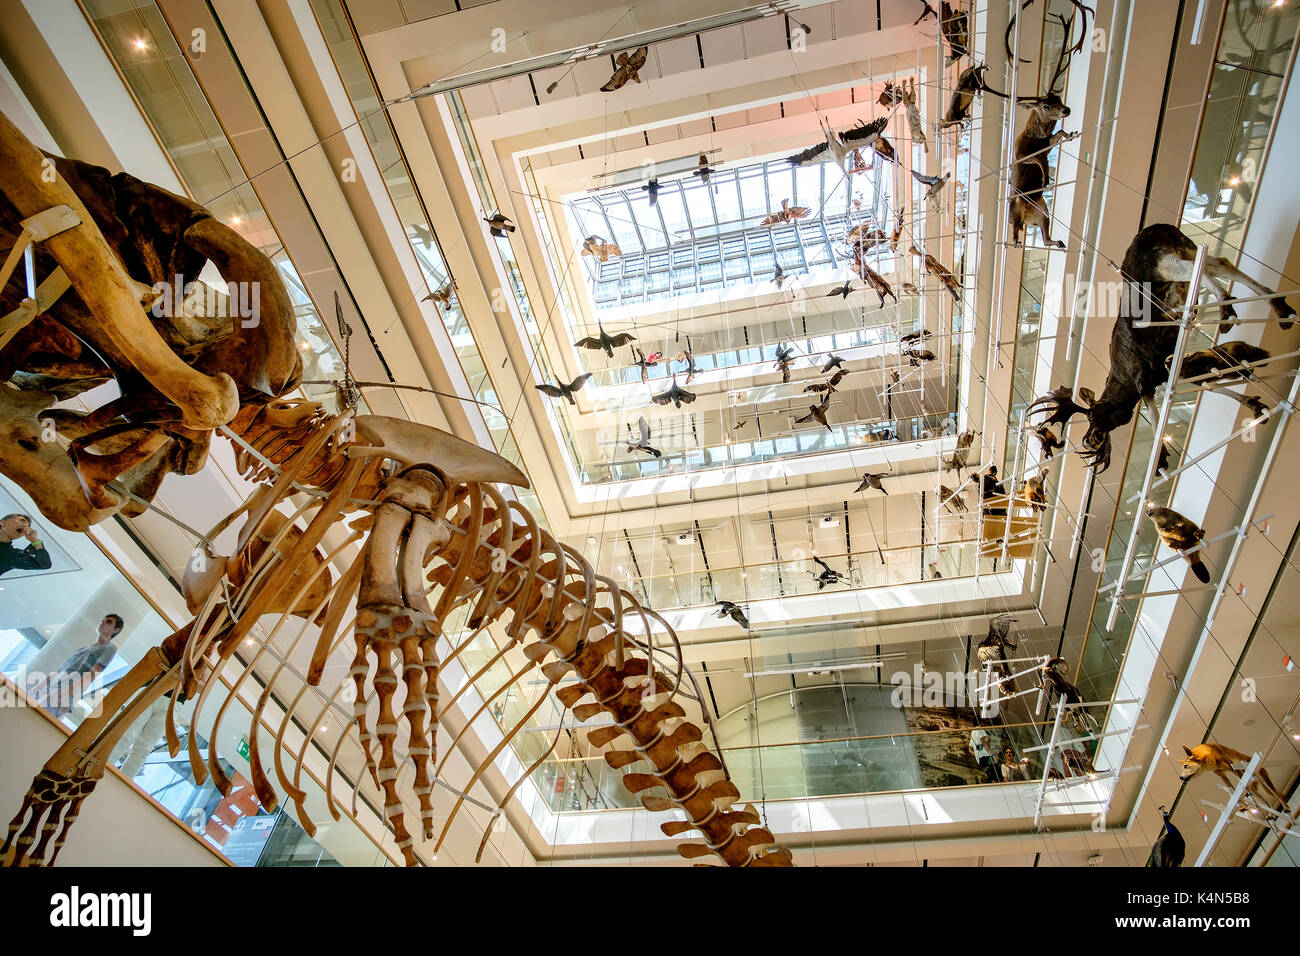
(884, 148)
(1226, 358)
(864, 237)
(915, 336)
(953, 26)
(675, 395)
(841, 290)
(825, 576)
(686, 356)
(1047, 440)
(652, 188)
(829, 385)
(905, 96)
(784, 359)
(779, 276)
(836, 146)
(1180, 534)
(642, 441)
(734, 611)
(916, 356)
(858, 165)
(817, 412)
(870, 480)
(705, 170)
(443, 294)
(936, 268)
(873, 278)
(969, 85)
(833, 361)
(498, 225)
(626, 68)
(561, 390)
(898, 229)
(1170, 847)
(605, 342)
(952, 500)
(598, 247)
(645, 362)
(934, 184)
(926, 11)
(786, 214)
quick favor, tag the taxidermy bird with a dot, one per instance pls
(442, 295)
(916, 336)
(674, 396)
(926, 11)
(878, 283)
(902, 95)
(1170, 847)
(561, 390)
(686, 356)
(864, 237)
(626, 68)
(969, 85)
(916, 356)
(786, 214)
(604, 342)
(884, 148)
(642, 441)
(933, 184)
(817, 413)
(1047, 440)
(958, 460)
(734, 611)
(825, 576)
(898, 230)
(704, 170)
(1226, 358)
(498, 225)
(992, 651)
(644, 362)
(953, 26)
(937, 269)
(841, 290)
(870, 480)
(858, 165)
(1180, 534)
(833, 361)
(829, 385)
(952, 500)
(835, 146)
(598, 247)
(779, 276)
(652, 188)
(1034, 493)
(784, 359)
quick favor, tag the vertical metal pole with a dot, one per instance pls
(1047, 760)
(1020, 447)
(1193, 293)
(1229, 810)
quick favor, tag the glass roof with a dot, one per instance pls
(700, 238)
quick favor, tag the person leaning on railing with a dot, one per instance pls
(34, 557)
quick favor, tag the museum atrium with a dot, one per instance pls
(859, 646)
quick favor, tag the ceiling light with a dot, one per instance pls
(141, 43)
(829, 521)
(1234, 181)
(235, 220)
(684, 538)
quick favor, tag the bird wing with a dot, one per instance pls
(663, 398)
(838, 377)
(590, 342)
(638, 57)
(821, 562)
(643, 427)
(685, 396)
(622, 338)
(866, 133)
(812, 153)
(620, 77)
(927, 180)
(551, 390)
(580, 381)
(862, 487)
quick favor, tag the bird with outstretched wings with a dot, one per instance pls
(734, 611)
(817, 413)
(836, 146)
(561, 390)
(675, 395)
(604, 342)
(870, 480)
(641, 441)
(626, 67)
(826, 575)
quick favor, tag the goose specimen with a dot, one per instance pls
(675, 395)
(560, 390)
(604, 342)
(642, 441)
(734, 611)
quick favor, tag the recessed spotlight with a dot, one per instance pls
(1234, 181)
(235, 220)
(141, 43)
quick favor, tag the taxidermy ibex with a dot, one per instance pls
(1156, 270)
(434, 532)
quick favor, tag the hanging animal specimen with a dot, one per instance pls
(829, 385)
(788, 213)
(1048, 443)
(642, 440)
(841, 290)
(1051, 677)
(952, 501)
(953, 26)
(826, 575)
(1170, 848)
(870, 480)
(1181, 535)
(958, 460)
(784, 359)
(858, 165)
(626, 67)
(833, 361)
(675, 395)
(686, 356)
(1156, 271)
(934, 184)
(905, 96)
(779, 276)
(603, 342)
(937, 269)
(733, 611)
(436, 535)
(969, 85)
(645, 363)
(498, 225)
(884, 149)
(992, 651)
(913, 337)
(652, 190)
(1228, 765)
(443, 294)
(874, 279)
(817, 413)
(597, 246)
(836, 146)
(916, 356)
(560, 390)
(1034, 492)
(926, 11)
(864, 237)
(703, 170)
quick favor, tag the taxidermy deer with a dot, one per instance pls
(1157, 269)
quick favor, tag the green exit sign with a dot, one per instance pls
(241, 748)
